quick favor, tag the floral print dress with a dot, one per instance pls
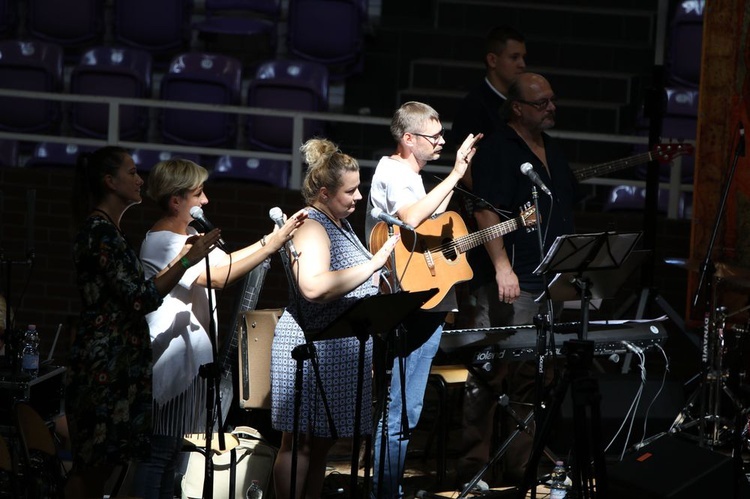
(108, 398)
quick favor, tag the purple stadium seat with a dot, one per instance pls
(240, 18)
(680, 123)
(145, 159)
(629, 198)
(329, 32)
(69, 23)
(8, 18)
(289, 85)
(685, 44)
(120, 72)
(32, 66)
(8, 153)
(53, 154)
(203, 78)
(267, 171)
(161, 28)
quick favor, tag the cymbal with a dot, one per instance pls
(729, 274)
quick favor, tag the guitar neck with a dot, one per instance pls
(611, 166)
(465, 243)
(248, 300)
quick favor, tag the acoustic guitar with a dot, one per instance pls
(434, 256)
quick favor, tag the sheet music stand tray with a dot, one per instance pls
(376, 315)
(580, 259)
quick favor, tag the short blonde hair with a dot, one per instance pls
(410, 117)
(174, 177)
(325, 167)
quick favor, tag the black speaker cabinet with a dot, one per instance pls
(255, 339)
(670, 467)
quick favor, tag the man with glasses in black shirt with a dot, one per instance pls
(503, 271)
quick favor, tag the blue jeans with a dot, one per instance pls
(154, 477)
(417, 369)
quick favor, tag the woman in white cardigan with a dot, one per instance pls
(179, 328)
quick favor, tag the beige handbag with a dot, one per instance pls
(248, 457)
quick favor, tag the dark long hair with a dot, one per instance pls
(91, 168)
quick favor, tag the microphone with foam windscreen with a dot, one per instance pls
(197, 213)
(528, 170)
(278, 218)
(389, 219)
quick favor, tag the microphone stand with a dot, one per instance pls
(711, 352)
(542, 323)
(400, 347)
(211, 374)
(300, 353)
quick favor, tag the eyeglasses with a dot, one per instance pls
(540, 104)
(432, 138)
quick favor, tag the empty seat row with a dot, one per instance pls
(326, 31)
(194, 77)
(59, 155)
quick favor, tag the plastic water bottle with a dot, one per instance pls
(30, 352)
(254, 491)
(558, 487)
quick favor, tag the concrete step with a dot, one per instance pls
(593, 21)
(568, 83)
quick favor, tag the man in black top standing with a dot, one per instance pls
(479, 111)
(503, 272)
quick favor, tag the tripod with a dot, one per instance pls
(587, 424)
(577, 254)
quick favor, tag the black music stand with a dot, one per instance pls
(576, 254)
(377, 315)
(589, 265)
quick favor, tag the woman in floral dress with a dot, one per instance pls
(108, 394)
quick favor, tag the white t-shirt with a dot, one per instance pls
(394, 184)
(179, 327)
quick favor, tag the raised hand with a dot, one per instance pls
(281, 235)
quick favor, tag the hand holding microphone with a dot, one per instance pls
(528, 170)
(197, 213)
(287, 228)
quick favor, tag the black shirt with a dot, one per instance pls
(497, 178)
(479, 112)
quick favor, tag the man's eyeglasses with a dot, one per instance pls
(432, 138)
(540, 104)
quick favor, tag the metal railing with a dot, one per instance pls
(674, 186)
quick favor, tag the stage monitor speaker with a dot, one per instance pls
(670, 467)
(255, 335)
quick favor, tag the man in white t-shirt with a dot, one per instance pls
(397, 189)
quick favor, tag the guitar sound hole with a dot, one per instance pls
(449, 253)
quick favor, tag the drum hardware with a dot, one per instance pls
(717, 384)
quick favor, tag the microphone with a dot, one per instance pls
(389, 219)
(197, 213)
(528, 170)
(633, 348)
(278, 218)
(741, 145)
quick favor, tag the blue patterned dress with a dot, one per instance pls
(338, 359)
(108, 399)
